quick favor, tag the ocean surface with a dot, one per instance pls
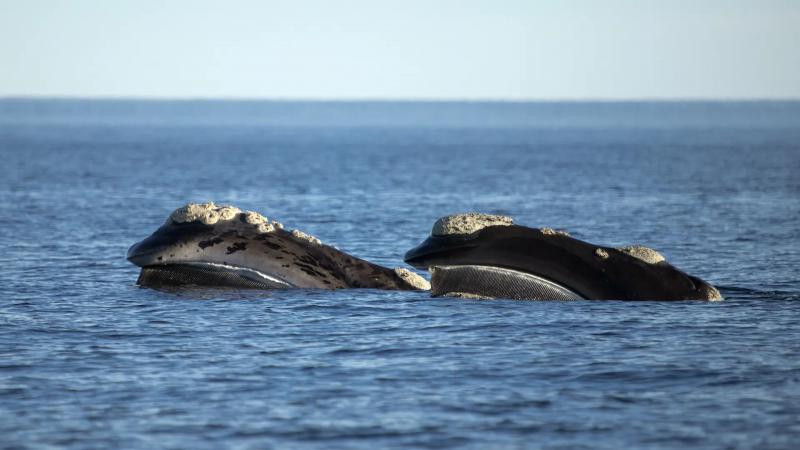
(88, 360)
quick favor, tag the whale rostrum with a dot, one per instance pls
(486, 256)
(209, 245)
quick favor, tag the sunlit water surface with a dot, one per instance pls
(89, 360)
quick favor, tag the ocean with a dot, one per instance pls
(90, 360)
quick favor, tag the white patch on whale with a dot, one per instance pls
(553, 232)
(212, 214)
(643, 253)
(412, 279)
(306, 237)
(206, 213)
(468, 223)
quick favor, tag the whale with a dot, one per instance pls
(204, 244)
(479, 255)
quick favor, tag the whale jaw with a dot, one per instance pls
(495, 282)
(208, 274)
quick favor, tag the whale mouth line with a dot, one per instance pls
(496, 282)
(203, 273)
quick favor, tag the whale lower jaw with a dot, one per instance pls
(208, 274)
(475, 281)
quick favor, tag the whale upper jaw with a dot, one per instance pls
(157, 248)
(139, 257)
(438, 249)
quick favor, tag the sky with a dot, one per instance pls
(409, 49)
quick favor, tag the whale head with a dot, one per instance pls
(223, 246)
(489, 256)
(209, 244)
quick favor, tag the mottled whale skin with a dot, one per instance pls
(471, 245)
(212, 245)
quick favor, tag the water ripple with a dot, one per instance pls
(89, 360)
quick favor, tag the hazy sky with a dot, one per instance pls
(421, 49)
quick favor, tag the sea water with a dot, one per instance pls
(90, 360)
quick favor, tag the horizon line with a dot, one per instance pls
(147, 98)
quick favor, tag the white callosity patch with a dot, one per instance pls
(262, 223)
(468, 223)
(712, 294)
(211, 214)
(553, 232)
(602, 254)
(465, 295)
(227, 212)
(206, 213)
(254, 218)
(300, 235)
(645, 254)
(412, 279)
(265, 228)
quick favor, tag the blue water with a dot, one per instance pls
(89, 360)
